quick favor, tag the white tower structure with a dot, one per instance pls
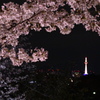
(86, 72)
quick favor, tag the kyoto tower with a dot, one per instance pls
(85, 72)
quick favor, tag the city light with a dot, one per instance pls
(94, 92)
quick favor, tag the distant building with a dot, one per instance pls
(76, 73)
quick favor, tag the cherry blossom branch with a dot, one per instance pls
(18, 58)
(16, 20)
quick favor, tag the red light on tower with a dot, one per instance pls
(85, 62)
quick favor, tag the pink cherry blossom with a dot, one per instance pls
(16, 20)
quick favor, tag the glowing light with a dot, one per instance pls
(94, 92)
(32, 82)
(85, 74)
(71, 80)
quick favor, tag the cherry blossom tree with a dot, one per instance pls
(16, 20)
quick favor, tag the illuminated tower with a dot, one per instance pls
(86, 72)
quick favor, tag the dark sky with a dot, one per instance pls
(66, 50)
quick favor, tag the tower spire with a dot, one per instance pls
(85, 72)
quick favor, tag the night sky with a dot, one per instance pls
(71, 49)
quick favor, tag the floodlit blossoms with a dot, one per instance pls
(16, 20)
(18, 58)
